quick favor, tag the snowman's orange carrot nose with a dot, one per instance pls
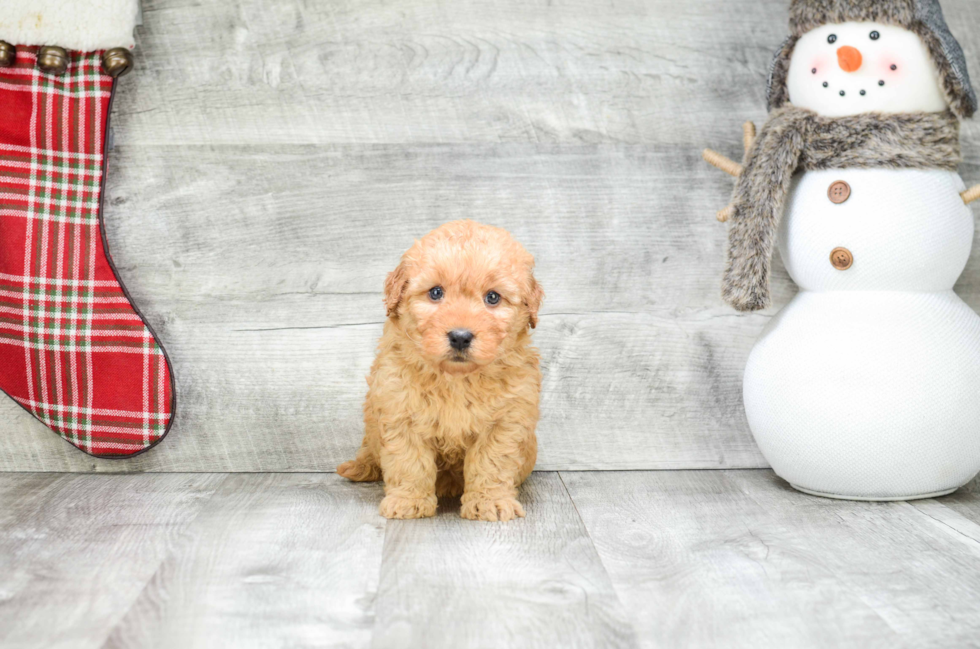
(849, 58)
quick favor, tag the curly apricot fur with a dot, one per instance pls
(441, 423)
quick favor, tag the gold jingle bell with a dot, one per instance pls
(52, 60)
(8, 55)
(117, 62)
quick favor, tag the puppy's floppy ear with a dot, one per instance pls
(395, 288)
(532, 300)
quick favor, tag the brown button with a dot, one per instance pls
(841, 258)
(839, 192)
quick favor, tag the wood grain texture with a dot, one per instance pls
(366, 71)
(274, 159)
(534, 582)
(271, 310)
(603, 559)
(739, 559)
(281, 560)
(77, 550)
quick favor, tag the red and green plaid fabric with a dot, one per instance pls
(73, 350)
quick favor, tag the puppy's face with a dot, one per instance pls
(463, 294)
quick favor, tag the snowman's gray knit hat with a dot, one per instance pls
(922, 17)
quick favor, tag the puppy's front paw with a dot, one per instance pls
(401, 507)
(481, 508)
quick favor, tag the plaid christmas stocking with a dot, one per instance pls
(74, 351)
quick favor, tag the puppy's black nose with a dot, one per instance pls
(460, 339)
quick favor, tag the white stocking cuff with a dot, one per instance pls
(83, 25)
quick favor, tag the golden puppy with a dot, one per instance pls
(452, 397)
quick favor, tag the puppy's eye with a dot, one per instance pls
(492, 298)
(436, 293)
(875, 36)
(832, 39)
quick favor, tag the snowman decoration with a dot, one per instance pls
(867, 385)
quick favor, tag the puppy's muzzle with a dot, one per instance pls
(460, 339)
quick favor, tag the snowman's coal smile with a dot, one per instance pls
(862, 91)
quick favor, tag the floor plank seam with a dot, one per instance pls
(612, 582)
(377, 592)
(182, 537)
(957, 533)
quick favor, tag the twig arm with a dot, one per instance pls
(727, 165)
(971, 195)
(748, 135)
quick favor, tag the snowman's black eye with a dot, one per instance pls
(875, 36)
(832, 39)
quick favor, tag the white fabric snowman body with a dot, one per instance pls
(867, 385)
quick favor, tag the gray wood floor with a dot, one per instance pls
(613, 559)
(274, 158)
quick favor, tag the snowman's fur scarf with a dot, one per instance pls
(806, 15)
(798, 139)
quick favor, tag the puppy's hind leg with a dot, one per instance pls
(365, 467)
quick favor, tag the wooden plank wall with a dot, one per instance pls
(273, 160)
